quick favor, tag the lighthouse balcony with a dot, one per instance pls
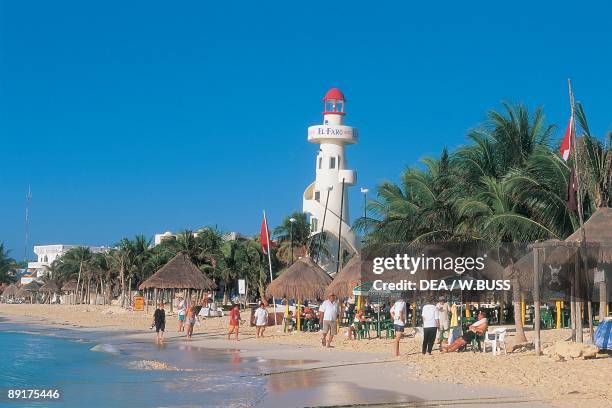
(339, 133)
(349, 176)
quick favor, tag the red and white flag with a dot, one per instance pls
(567, 140)
(264, 235)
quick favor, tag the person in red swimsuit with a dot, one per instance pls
(234, 321)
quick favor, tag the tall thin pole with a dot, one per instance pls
(365, 213)
(291, 238)
(270, 262)
(27, 224)
(340, 227)
(579, 303)
(323, 225)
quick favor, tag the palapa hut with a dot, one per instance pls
(50, 288)
(178, 274)
(69, 289)
(304, 280)
(10, 291)
(347, 279)
(31, 289)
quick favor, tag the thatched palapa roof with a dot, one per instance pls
(178, 273)
(350, 276)
(10, 290)
(50, 286)
(32, 286)
(598, 228)
(302, 280)
(70, 286)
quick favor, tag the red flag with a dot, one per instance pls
(567, 140)
(264, 236)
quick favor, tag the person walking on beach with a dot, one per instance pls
(181, 314)
(431, 321)
(261, 320)
(190, 320)
(443, 311)
(234, 321)
(159, 321)
(398, 314)
(328, 314)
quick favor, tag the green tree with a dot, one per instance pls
(7, 265)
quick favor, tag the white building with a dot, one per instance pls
(333, 178)
(47, 254)
(158, 238)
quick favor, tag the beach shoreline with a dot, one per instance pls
(361, 371)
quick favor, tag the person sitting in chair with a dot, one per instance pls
(477, 329)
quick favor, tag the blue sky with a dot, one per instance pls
(141, 117)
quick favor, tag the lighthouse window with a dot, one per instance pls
(320, 162)
(318, 196)
(332, 162)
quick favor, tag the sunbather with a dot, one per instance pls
(477, 329)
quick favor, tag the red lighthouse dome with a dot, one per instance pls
(333, 102)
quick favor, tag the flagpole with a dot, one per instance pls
(578, 306)
(270, 264)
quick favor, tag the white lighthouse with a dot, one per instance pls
(333, 179)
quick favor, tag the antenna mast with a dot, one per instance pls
(27, 224)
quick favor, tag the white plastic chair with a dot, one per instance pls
(496, 339)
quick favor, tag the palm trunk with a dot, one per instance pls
(518, 313)
(122, 282)
(79, 280)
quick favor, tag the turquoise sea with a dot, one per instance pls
(92, 373)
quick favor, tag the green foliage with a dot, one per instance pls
(7, 266)
(508, 184)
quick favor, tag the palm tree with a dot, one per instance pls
(75, 262)
(7, 265)
(293, 237)
(596, 161)
(505, 186)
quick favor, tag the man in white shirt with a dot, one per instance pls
(328, 315)
(431, 322)
(398, 314)
(261, 320)
(182, 308)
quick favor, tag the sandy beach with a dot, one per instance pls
(367, 371)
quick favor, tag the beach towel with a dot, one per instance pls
(603, 335)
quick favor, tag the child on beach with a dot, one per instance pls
(159, 321)
(234, 321)
(261, 320)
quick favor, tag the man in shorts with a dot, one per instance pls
(398, 314)
(182, 308)
(328, 316)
